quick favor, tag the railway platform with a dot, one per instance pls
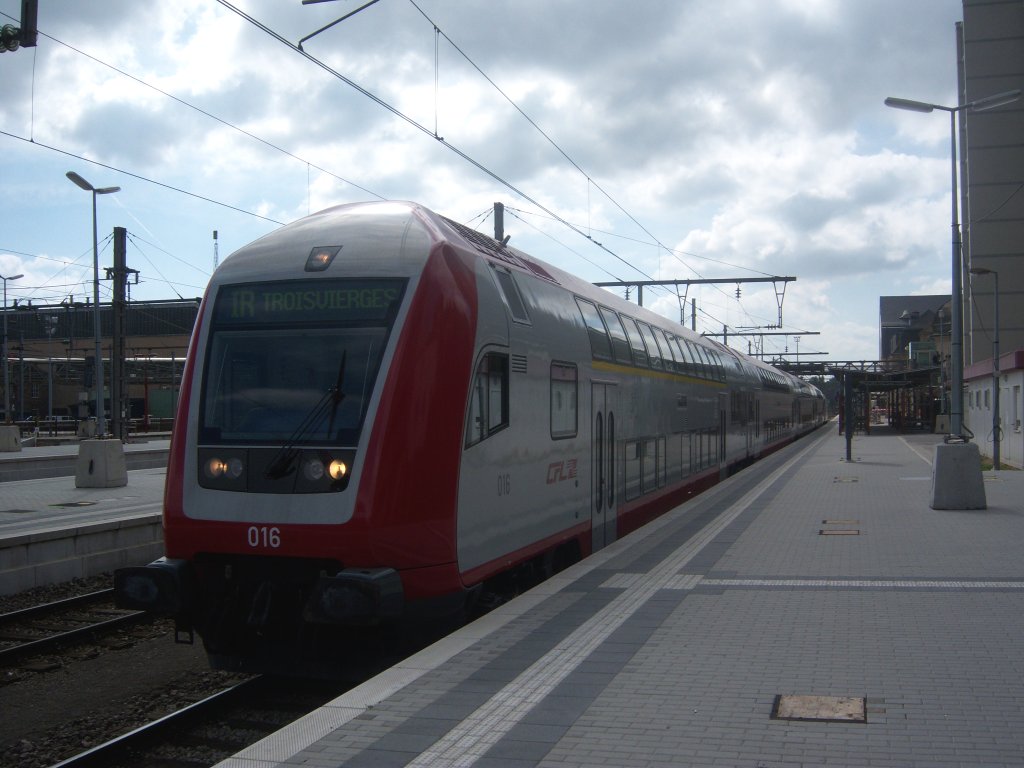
(52, 531)
(807, 611)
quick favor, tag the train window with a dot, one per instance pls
(636, 342)
(717, 360)
(666, 349)
(510, 290)
(662, 462)
(686, 359)
(700, 367)
(564, 378)
(600, 345)
(488, 406)
(704, 361)
(633, 486)
(620, 344)
(709, 358)
(649, 460)
(652, 344)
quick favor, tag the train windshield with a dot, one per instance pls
(295, 362)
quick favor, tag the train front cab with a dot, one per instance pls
(253, 558)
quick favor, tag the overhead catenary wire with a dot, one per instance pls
(210, 115)
(421, 128)
(438, 32)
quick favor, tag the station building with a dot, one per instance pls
(52, 349)
(991, 60)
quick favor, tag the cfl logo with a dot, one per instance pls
(559, 471)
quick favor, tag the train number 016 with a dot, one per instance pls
(261, 536)
(504, 485)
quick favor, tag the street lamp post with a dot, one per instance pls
(7, 378)
(101, 422)
(942, 364)
(957, 330)
(997, 431)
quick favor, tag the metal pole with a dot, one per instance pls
(956, 343)
(7, 378)
(997, 437)
(101, 421)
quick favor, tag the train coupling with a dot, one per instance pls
(161, 587)
(355, 596)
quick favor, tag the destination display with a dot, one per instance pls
(308, 301)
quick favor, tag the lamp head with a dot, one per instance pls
(913, 106)
(78, 180)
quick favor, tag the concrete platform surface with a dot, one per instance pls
(806, 612)
(52, 531)
(30, 507)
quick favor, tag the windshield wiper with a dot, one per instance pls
(284, 460)
(337, 394)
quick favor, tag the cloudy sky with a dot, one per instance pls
(690, 138)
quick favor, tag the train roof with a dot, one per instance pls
(389, 222)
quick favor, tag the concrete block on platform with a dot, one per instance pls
(10, 437)
(101, 464)
(957, 482)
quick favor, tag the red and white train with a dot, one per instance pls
(383, 412)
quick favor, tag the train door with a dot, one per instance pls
(604, 468)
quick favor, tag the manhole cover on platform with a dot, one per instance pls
(845, 479)
(74, 504)
(831, 709)
(838, 532)
(17, 511)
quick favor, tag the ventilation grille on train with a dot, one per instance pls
(491, 247)
(518, 363)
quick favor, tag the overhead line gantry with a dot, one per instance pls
(774, 280)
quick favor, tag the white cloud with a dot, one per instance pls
(749, 133)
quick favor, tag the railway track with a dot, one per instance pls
(50, 626)
(213, 729)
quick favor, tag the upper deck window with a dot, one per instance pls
(600, 344)
(620, 344)
(636, 341)
(510, 290)
(652, 344)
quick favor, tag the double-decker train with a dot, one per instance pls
(384, 413)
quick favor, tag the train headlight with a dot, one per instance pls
(313, 469)
(337, 469)
(222, 469)
(216, 468)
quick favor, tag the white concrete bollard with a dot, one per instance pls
(957, 482)
(100, 464)
(10, 437)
